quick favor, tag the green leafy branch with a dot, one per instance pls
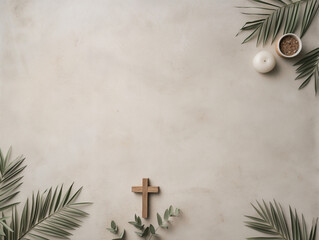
(114, 229)
(53, 213)
(147, 232)
(272, 221)
(10, 181)
(309, 69)
(150, 231)
(276, 15)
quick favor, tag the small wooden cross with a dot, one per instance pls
(145, 190)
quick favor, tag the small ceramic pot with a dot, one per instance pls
(278, 50)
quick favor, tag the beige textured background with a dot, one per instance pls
(106, 92)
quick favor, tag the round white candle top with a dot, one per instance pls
(264, 62)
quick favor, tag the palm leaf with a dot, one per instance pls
(274, 16)
(308, 68)
(310, 12)
(50, 214)
(10, 181)
(272, 223)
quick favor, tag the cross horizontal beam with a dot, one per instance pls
(150, 189)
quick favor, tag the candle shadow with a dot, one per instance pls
(274, 72)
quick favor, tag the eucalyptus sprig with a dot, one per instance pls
(273, 224)
(273, 16)
(309, 69)
(114, 229)
(163, 222)
(147, 232)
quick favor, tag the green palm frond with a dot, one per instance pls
(273, 224)
(51, 214)
(276, 15)
(10, 179)
(310, 12)
(309, 68)
(3, 225)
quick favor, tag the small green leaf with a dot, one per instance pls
(136, 225)
(171, 210)
(121, 236)
(159, 220)
(145, 232)
(140, 234)
(112, 230)
(164, 225)
(113, 225)
(139, 221)
(152, 229)
(166, 215)
(177, 212)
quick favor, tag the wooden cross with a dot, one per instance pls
(145, 190)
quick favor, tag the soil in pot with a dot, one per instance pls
(289, 45)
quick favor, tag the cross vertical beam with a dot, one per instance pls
(145, 198)
(145, 189)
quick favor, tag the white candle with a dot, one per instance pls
(264, 62)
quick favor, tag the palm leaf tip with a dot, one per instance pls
(310, 12)
(308, 68)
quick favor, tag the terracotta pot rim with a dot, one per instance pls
(278, 43)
